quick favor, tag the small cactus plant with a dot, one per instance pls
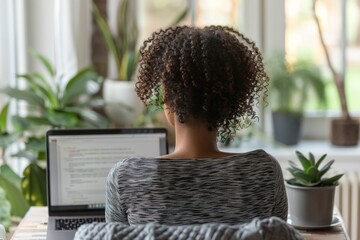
(311, 175)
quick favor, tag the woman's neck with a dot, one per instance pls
(194, 140)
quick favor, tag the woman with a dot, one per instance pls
(209, 80)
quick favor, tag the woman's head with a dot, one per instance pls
(213, 74)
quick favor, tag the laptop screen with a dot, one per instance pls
(79, 162)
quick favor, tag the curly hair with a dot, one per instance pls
(214, 73)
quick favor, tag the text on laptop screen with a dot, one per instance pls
(79, 164)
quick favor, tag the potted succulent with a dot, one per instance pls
(51, 104)
(310, 193)
(289, 91)
(344, 130)
(122, 103)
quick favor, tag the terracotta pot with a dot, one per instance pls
(344, 132)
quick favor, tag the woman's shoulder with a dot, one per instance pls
(131, 161)
(254, 155)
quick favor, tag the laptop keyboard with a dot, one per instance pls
(74, 223)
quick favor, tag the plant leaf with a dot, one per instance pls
(3, 118)
(10, 175)
(8, 139)
(331, 181)
(36, 144)
(312, 171)
(62, 119)
(304, 161)
(312, 158)
(294, 165)
(33, 185)
(77, 85)
(30, 155)
(44, 60)
(302, 175)
(19, 123)
(90, 116)
(19, 206)
(46, 93)
(325, 169)
(105, 30)
(320, 160)
(29, 97)
(37, 121)
(47, 85)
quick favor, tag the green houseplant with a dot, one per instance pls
(290, 87)
(12, 201)
(52, 104)
(310, 192)
(10, 182)
(122, 104)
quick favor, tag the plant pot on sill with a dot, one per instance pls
(310, 206)
(122, 103)
(287, 127)
(344, 132)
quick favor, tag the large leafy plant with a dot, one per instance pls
(10, 182)
(123, 45)
(51, 103)
(311, 175)
(291, 83)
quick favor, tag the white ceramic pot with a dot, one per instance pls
(310, 206)
(122, 103)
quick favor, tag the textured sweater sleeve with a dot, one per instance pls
(280, 202)
(114, 211)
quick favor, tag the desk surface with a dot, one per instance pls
(34, 226)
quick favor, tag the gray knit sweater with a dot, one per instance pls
(231, 190)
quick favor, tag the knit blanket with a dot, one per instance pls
(266, 229)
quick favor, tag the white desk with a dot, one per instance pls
(34, 226)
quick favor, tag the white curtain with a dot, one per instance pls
(72, 31)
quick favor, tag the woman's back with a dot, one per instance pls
(232, 189)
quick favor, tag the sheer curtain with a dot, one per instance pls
(72, 29)
(58, 29)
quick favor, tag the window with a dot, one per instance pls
(302, 40)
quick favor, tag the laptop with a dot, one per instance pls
(78, 162)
